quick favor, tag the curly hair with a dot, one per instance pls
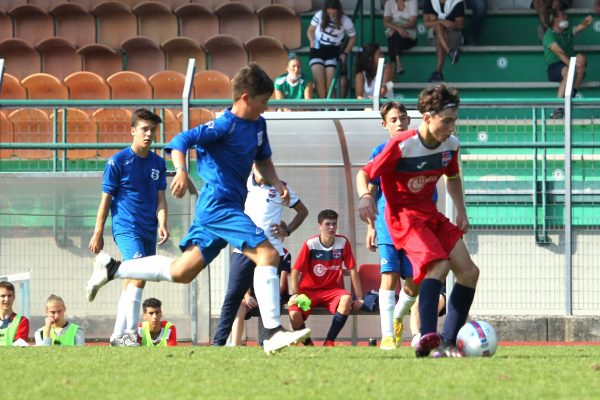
(436, 98)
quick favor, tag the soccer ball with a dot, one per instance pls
(477, 339)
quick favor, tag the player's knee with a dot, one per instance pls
(411, 289)
(345, 304)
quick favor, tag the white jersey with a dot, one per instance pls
(264, 207)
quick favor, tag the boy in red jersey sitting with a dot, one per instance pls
(320, 263)
(12, 325)
(154, 331)
(409, 167)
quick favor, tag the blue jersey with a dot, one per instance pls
(134, 183)
(383, 234)
(225, 149)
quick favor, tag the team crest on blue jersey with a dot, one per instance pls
(272, 193)
(384, 261)
(154, 174)
(259, 137)
(446, 158)
(337, 253)
(259, 231)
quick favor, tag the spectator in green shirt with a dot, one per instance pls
(293, 84)
(558, 48)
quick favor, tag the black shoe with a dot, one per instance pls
(453, 55)
(558, 113)
(436, 77)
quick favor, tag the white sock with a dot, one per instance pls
(266, 288)
(134, 303)
(386, 311)
(404, 304)
(152, 268)
(121, 320)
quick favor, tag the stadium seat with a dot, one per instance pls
(31, 125)
(143, 55)
(43, 4)
(59, 57)
(167, 84)
(269, 53)
(80, 129)
(115, 22)
(299, 6)
(210, 4)
(6, 135)
(179, 50)
(113, 126)
(170, 125)
(20, 58)
(6, 28)
(156, 21)
(258, 4)
(370, 277)
(31, 23)
(101, 59)
(197, 22)
(212, 85)
(198, 116)
(8, 5)
(43, 86)
(85, 85)
(74, 22)
(129, 85)
(226, 54)
(237, 19)
(283, 23)
(12, 88)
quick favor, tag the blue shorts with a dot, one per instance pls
(212, 231)
(132, 246)
(392, 260)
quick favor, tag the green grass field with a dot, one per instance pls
(548, 372)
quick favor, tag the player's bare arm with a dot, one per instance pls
(455, 190)
(97, 241)
(161, 215)
(367, 208)
(267, 171)
(356, 304)
(179, 185)
(294, 275)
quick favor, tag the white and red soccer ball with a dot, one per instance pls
(477, 339)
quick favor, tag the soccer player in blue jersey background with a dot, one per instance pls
(133, 189)
(225, 149)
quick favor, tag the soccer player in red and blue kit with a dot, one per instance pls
(409, 167)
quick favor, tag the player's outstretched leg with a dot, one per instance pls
(104, 271)
(278, 338)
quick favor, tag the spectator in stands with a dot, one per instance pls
(365, 71)
(597, 7)
(544, 10)
(264, 206)
(479, 10)
(558, 48)
(154, 331)
(293, 84)
(400, 22)
(57, 331)
(13, 327)
(325, 35)
(409, 167)
(133, 189)
(445, 20)
(320, 264)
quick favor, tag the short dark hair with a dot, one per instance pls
(251, 79)
(436, 98)
(327, 214)
(143, 114)
(391, 105)
(8, 286)
(151, 302)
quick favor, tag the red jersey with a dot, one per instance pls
(171, 334)
(321, 266)
(409, 172)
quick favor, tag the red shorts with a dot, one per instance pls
(428, 241)
(328, 298)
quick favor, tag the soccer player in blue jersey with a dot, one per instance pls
(225, 149)
(133, 189)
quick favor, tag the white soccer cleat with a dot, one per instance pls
(281, 339)
(99, 275)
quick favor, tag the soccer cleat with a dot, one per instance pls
(308, 342)
(398, 328)
(427, 343)
(415, 340)
(446, 349)
(328, 343)
(128, 339)
(388, 343)
(279, 338)
(99, 275)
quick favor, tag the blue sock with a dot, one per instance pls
(459, 305)
(429, 295)
(339, 320)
